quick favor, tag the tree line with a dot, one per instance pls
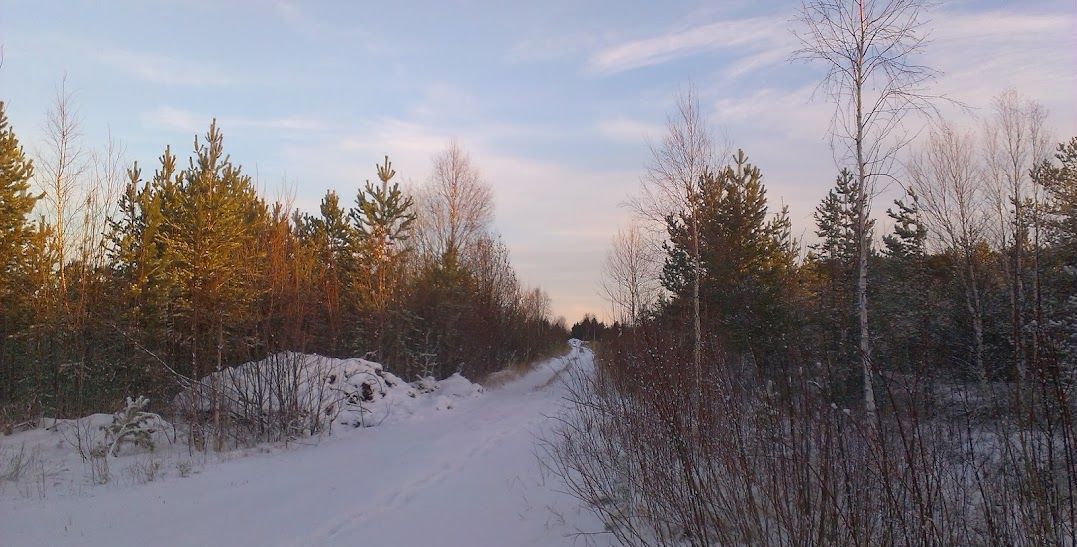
(120, 280)
(974, 278)
(962, 430)
(910, 385)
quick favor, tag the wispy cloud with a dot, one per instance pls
(302, 18)
(186, 121)
(159, 69)
(621, 129)
(981, 54)
(547, 47)
(731, 34)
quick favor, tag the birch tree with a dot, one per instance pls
(868, 49)
(946, 175)
(61, 166)
(1016, 141)
(455, 207)
(672, 187)
(630, 275)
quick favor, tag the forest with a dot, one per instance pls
(909, 385)
(900, 372)
(120, 281)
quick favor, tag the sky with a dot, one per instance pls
(557, 102)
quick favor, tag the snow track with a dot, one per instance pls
(466, 476)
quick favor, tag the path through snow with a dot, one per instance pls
(469, 476)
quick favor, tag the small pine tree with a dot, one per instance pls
(1059, 178)
(909, 239)
(132, 425)
(332, 237)
(835, 220)
(831, 270)
(16, 201)
(19, 251)
(381, 221)
(903, 304)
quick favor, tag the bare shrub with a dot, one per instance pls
(15, 463)
(99, 470)
(144, 470)
(771, 460)
(184, 468)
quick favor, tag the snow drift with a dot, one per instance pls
(309, 393)
(285, 396)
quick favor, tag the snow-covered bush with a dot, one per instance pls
(133, 426)
(426, 384)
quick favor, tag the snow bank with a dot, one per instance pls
(307, 393)
(466, 477)
(321, 391)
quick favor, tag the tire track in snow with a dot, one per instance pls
(466, 442)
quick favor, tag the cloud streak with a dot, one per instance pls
(732, 34)
(625, 130)
(186, 121)
(163, 70)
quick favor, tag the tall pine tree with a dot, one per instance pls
(746, 259)
(16, 239)
(382, 219)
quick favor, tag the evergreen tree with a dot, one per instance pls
(211, 252)
(902, 294)
(332, 238)
(382, 220)
(835, 220)
(1059, 178)
(909, 239)
(440, 300)
(17, 238)
(133, 246)
(746, 258)
(830, 271)
(16, 201)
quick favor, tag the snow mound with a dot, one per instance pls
(321, 391)
(102, 434)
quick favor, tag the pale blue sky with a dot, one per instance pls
(555, 100)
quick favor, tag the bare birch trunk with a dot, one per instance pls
(862, 226)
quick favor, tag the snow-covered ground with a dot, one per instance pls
(459, 472)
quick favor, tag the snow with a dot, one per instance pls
(353, 392)
(459, 467)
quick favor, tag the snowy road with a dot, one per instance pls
(468, 476)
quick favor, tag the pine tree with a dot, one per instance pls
(382, 220)
(17, 237)
(383, 215)
(134, 250)
(212, 254)
(16, 201)
(835, 220)
(904, 288)
(1059, 179)
(440, 299)
(333, 237)
(746, 257)
(909, 239)
(831, 268)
